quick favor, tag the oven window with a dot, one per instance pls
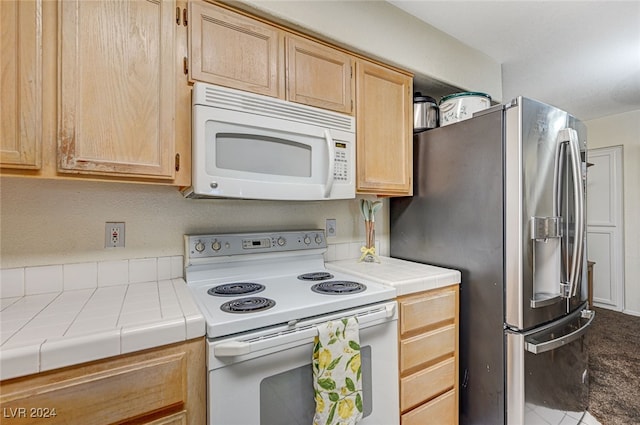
(290, 394)
(262, 154)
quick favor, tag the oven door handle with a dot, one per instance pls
(293, 336)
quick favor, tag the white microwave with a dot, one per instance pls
(257, 147)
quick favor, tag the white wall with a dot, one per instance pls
(624, 130)
(378, 29)
(56, 222)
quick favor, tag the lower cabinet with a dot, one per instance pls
(161, 386)
(428, 355)
(177, 419)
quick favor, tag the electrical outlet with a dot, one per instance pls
(330, 229)
(114, 235)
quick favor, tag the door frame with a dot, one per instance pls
(613, 227)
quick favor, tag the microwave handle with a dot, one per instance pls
(332, 163)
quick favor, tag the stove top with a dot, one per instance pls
(258, 280)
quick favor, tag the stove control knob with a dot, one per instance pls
(216, 245)
(318, 239)
(199, 246)
(282, 241)
(307, 239)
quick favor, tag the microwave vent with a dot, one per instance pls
(222, 97)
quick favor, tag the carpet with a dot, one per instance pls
(614, 366)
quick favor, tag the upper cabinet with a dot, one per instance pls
(21, 84)
(117, 88)
(96, 89)
(234, 50)
(384, 130)
(318, 75)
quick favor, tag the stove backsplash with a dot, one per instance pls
(348, 250)
(56, 222)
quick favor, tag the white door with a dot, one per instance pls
(605, 245)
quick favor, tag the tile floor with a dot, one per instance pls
(589, 420)
(539, 415)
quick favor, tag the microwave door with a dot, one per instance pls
(262, 163)
(257, 147)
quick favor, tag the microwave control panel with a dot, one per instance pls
(342, 160)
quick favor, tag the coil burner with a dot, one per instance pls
(235, 289)
(247, 305)
(338, 287)
(316, 276)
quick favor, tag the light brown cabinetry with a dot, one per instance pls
(384, 130)
(428, 353)
(162, 386)
(117, 88)
(21, 84)
(318, 75)
(110, 103)
(234, 50)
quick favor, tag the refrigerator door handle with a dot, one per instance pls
(578, 193)
(570, 137)
(543, 347)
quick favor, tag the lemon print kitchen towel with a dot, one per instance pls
(337, 373)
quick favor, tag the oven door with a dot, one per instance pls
(266, 378)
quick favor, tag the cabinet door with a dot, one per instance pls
(21, 84)
(117, 88)
(384, 130)
(318, 75)
(233, 50)
(159, 386)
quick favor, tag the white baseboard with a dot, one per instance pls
(631, 312)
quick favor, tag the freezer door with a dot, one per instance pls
(547, 378)
(544, 214)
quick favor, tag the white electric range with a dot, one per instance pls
(261, 295)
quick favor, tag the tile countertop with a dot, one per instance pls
(406, 276)
(73, 325)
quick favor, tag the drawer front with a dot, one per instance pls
(421, 312)
(426, 347)
(176, 419)
(105, 396)
(425, 384)
(441, 411)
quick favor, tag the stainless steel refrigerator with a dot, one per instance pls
(501, 197)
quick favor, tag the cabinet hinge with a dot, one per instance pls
(351, 105)
(177, 162)
(351, 70)
(185, 65)
(184, 16)
(178, 15)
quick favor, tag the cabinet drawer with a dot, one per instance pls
(425, 384)
(441, 411)
(421, 312)
(427, 347)
(103, 395)
(177, 419)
